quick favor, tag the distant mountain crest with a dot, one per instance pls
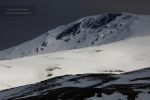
(85, 32)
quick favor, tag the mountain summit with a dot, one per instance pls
(85, 32)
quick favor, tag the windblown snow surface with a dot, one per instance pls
(125, 55)
(107, 43)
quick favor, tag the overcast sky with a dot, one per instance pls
(53, 13)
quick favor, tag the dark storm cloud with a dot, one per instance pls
(52, 13)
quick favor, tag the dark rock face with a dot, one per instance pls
(91, 24)
(71, 30)
(44, 44)
(106, 18)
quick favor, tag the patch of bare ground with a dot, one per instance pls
(74, 93)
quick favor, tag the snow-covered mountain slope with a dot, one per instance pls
(133, 85)
(85, 32)
(125, 55)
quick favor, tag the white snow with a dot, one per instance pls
(125, 47)
(118, 29)
(143, 96)
(126, 55)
